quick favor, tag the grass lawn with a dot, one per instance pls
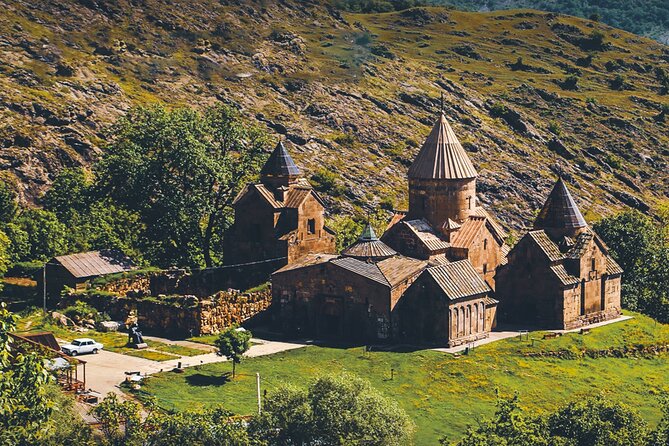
(441, 392)
(113, 341)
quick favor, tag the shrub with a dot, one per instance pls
(327, 181)
(82, 311)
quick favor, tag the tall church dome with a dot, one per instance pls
(560, 215)
(442, 179)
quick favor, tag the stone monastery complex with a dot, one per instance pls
(441, 272)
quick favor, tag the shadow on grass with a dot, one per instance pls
(200, 380)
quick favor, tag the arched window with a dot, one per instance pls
(485, 243)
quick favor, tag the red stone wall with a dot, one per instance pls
(438, 200)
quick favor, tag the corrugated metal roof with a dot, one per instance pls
(426, 235)
(96, 263)
(547, 245)
(467, 234)
(398, 269)
(612, 267)
(280, 163)
(560, 210)
(364, 269)
(442, 156)
(459, 279)
(562, 274)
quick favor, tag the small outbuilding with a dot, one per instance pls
(77, 270)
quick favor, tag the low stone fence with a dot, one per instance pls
(177, 314)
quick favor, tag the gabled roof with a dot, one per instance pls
(442, 156)
(364, 269)
(458, 280)
(612, 267)
(577, 250)
(296, 195)
(280, 164)
(95, 263)
(397, 269)
(495, 227)
(306, 261)
(546, 245)
(560, 210)
(563, 275)
(466, 235)
(368, 246)
(426, 235)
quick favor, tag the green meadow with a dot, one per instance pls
(445, 393)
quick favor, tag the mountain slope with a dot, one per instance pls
(353, 93)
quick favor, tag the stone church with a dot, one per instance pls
(438, 273)
(280, 219)
(560, 274)
(429, 278)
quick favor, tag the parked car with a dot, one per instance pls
(81, 346)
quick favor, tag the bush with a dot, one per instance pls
(81, 311)
(327, 181)
(25, 269)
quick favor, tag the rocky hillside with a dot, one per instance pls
(528, 93)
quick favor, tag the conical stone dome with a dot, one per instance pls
(442, 156)
(560, 215)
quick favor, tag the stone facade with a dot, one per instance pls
(281, 218)
(560, 274)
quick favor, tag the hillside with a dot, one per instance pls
(355, 94)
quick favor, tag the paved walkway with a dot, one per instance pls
(499, 335)
(106, 370)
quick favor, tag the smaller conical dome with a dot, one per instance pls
(369, 247)
(560, 212)
(280, 166)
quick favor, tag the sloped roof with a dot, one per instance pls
(612, 267)
(442, 156)
(96, 263)
(458, 279)
(580, 246)
(560, 210)
(398, 269)
(364, 269)
(306, 261)
(464, 237)
(424, 232)
(294, 198)
(450, 225)
(496, 228)
(547, 245)
(368, 246)
(280, 163)
(563, 275)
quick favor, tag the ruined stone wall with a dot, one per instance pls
(181, 315)
(229, 308)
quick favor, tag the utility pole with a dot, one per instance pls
(258, 391)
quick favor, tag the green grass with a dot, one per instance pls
(441, 392)
(151, 355)
(178, 350)
(204, 339)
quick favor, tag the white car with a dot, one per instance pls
(81, 346)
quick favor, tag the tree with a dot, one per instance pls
(33, 412)
(68, 195)
(641, 247)
(5, 260)
(335, 410)
(46, 236)
(597, 421)
(509, 426)
(120, 421)
(8, 202)
(180, 170)
(233, 343)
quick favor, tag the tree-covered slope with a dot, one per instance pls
(528, 93)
